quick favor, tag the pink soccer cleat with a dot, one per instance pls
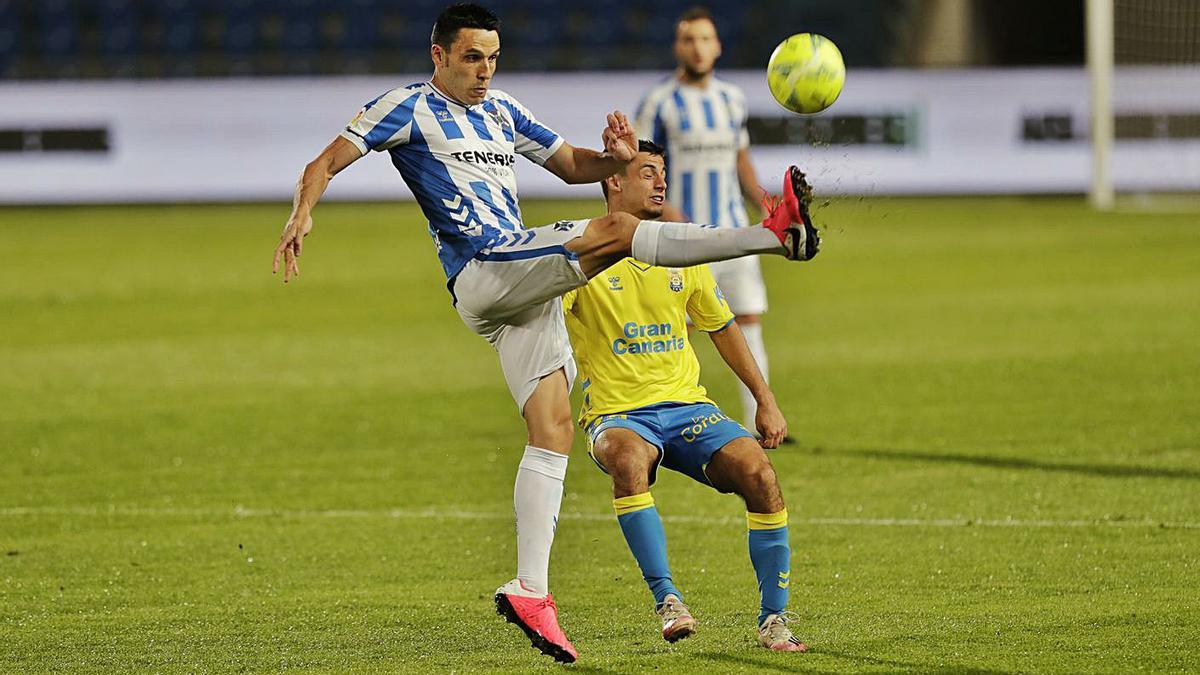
(788, 217)
(537, 615)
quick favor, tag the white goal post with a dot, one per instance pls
(1100, 63)
(1143, 61)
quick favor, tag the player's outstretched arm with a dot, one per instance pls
(748, 179)
(581, 165)
(731, 345)
(338, 155)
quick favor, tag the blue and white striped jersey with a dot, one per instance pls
(702, 130)
(457, 160)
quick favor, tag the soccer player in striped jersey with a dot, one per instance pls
(701, 121)
(454, 141)
(643, 407)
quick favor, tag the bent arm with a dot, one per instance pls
(734, 351)
(315, 178)
(338, 155)
(747, 178)
(581, 165)
(768, 420)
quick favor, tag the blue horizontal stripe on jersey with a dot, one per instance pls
(528, 128)
(442, 114)
(479, 124)
(393, 122)
(526, 254)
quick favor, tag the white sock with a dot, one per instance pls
(754, 340)
(684, 244)
(537, 496)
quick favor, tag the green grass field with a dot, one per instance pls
(997, 402)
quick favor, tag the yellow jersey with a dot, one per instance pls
(628, 326)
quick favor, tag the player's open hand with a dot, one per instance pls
(770, 424)
(290, 245)
(620, 140)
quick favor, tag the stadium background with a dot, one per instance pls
(994, 396)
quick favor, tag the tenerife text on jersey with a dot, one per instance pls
(457, 160)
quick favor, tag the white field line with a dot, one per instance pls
(456, 514)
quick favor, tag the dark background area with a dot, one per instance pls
(56, 39)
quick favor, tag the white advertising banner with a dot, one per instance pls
(891, 132)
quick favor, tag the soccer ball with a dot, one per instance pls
(806, 73)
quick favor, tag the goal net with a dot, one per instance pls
(1144, 63)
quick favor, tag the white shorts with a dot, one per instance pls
(740, 279)
(510, 294)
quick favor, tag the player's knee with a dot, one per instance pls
(626, 462)
(758, 477)
(555, 433)
(763, 476)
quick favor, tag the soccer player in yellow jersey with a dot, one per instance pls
(643, 407)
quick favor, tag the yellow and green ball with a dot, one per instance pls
(806, 73)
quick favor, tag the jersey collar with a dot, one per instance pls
(447, 98)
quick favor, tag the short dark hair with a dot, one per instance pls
(696, 13)
(461, 15)
(643, 146)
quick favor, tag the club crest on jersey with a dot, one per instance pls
(614, 284)
(444, 115)
(676, 280)
(494, 113)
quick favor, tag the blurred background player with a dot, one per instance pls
(643, 406)
(454, 142)
(701, 122)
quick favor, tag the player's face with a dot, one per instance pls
(642, 189)
(465, 72)
(696, 47)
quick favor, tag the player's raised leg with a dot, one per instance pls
(787, 230)
(629, 459)
(742, 467)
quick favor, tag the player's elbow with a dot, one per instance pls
(569, 166)
(321, 167)
(571, 175)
